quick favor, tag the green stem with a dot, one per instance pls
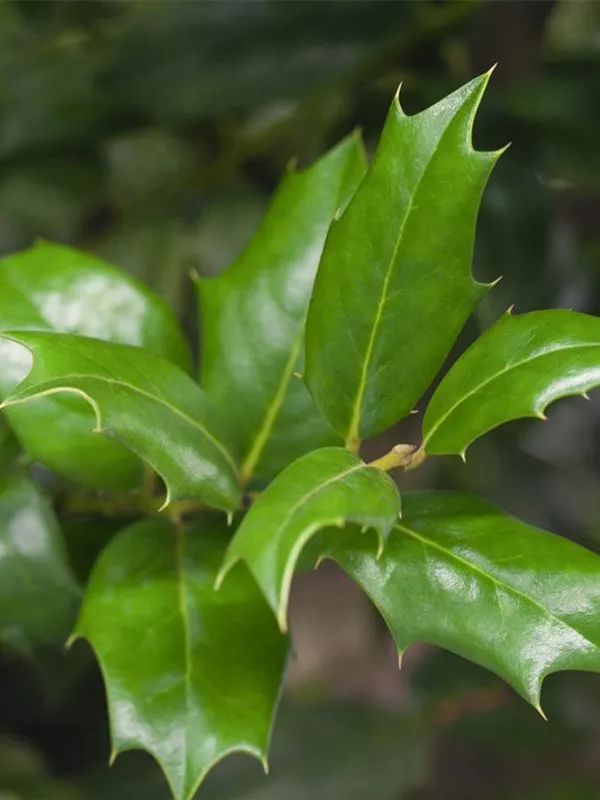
(401, 456)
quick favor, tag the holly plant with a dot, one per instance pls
(326, 331)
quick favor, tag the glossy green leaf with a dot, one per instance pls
(323, 488)
(519, 366)
(394, 286)
(38, 593)
(191, 674)
(459, 573)
(142, 401)
(254, 313)
(53, 287)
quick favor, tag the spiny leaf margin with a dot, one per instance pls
(217, 483)
(515, 370)
(328, 487)
(146, 548)
(381, 264)
(428, 597)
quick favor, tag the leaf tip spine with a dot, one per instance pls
(320, 560)
(478, 90)
(222, 573)
(400, 658)
(492, 284)
(540, 710)
(491, 70)
(265, 764)
(112, 757)
(509, 310)
(586, 396)
(496, 154)
(397, 104)
(166, 502)
(463, 456)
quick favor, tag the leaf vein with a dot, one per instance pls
(496, 582)
(507, 369)
(137, 390)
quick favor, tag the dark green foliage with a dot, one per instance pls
(153, 133)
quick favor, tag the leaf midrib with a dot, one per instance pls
(496, 582)
(504, 371)
(262, 436)
(353, 435)
(16, 398)
(272, 412)
(313, 492)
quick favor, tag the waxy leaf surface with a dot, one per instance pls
(191, 674)
(327, 487)
(253, 318)
(519, 366)
(55, 288)
(394, 285)
(142, 401)
(38, 593)
(459, 573)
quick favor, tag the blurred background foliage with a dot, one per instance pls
(153, 133)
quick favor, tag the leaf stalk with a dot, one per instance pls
(401, 456)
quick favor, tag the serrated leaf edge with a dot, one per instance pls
(254, 752)
(262, 437)
(538, 408)
(353, 434)
(531, 695)
(14, 400)
(303, 539)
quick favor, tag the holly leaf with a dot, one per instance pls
(56, 288)
(142, 401)
(324, 488)
(191, 674)
(254, 314)
(459, 573)
(517, 368)
(38, 593)
(398, 264)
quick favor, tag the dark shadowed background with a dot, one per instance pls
(153, 133)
